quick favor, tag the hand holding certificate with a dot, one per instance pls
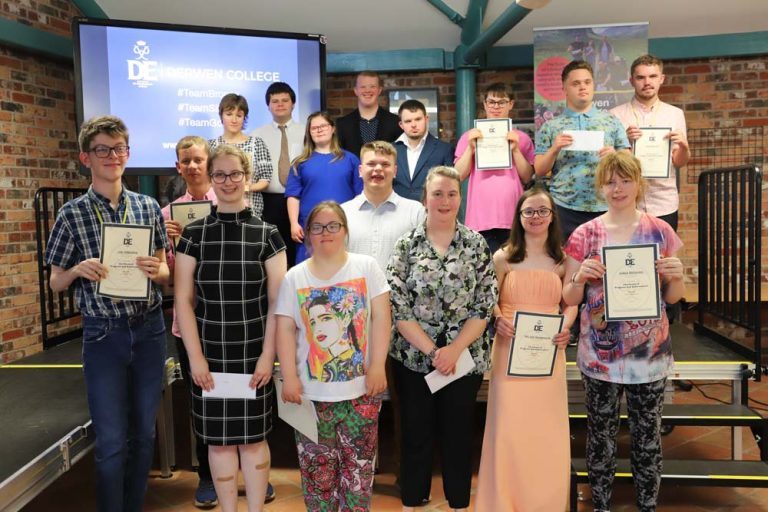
(533, 351)
(121, 244)
(654, 150)
(631, 283)
(492, 149)
(189, 212)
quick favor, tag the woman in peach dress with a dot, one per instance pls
(525, 464)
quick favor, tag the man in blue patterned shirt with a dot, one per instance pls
(573, 172)
(123, 340)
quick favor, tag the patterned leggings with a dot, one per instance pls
(644, 404)
(337, 472)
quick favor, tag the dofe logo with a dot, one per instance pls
(128, 240)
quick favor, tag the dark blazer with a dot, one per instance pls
(435, 152)
(348, 129)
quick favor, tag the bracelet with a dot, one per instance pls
(573, 280)
(432, 353)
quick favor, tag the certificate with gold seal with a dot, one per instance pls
(492, 149)
(654, 149)
(189, 212)
(631, 283)
(533, 353)
(120, 245)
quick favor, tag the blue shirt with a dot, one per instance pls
(321, 178)
(573, 173)
(76, 236)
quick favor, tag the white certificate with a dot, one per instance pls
(120, 245)
(492, 149)
(585, 140)
(189, 212)
(533, 353)
(231, 385)
(437, 381)
(631, 283)
(654, 149)
(302, 417)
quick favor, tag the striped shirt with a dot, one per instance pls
(76, 236)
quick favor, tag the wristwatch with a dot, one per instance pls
(432, 353)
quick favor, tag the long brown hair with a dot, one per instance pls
(515, 249)
(309, 144)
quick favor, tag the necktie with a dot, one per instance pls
(283, 165)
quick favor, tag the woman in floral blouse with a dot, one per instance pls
(443, 292)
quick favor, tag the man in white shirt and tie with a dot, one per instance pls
(284, 138)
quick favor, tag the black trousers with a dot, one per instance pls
(446, 417)
(276, 213)
(203, 469)
(571, 219)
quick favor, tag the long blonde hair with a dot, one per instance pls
(309, 144)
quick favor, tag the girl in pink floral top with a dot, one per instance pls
(617, 357)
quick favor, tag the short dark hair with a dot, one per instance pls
(498, 89)
(234, 101)
(412, 106)
(279, 88)
(574, 65)
(646, 60)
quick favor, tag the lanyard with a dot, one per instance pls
(126, 202)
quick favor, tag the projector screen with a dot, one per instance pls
(166, 81)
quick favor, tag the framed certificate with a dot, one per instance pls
(189, 212)
(654, 149)
(492, 149)
(532, 353)
(120, 245)
(631, 283)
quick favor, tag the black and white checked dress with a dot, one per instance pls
(231, 311)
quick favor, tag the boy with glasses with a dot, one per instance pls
(493, 193)
(123, 340)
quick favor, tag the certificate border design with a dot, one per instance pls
(173, 206)
(669, 152)
(655, 278)
(104, 226)
(509, 153)
(512, 346)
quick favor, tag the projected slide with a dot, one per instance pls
(166, 84)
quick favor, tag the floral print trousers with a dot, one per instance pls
(337, 472)
(644, 405)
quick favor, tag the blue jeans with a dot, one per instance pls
(124, 361)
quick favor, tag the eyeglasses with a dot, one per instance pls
(102, 151)
(221, 177)
(496, 104)
(331, 227)
(541, 212)
(319, 128)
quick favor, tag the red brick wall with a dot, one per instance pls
(37, 149)
(714, 93)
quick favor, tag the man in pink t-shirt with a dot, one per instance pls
(647, 110)
(492, 194)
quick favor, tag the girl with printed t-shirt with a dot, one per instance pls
(617, 357)
(333, 329)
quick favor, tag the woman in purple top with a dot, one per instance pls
(323, 172)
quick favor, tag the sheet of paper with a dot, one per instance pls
(302, 417)
(533, 354)
(585, 140)
(492, 149)
(230, 385)
(654, 150)
(437, 381)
